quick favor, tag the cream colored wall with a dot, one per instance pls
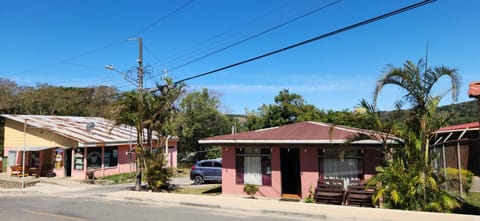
(14, 137)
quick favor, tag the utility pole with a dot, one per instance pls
(138, 185)
(139, 126)
(140, 66)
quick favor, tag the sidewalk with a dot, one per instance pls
(280, 208)
(236, 203)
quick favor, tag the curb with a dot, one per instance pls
(215, 206)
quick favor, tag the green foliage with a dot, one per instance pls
(452, 182)
(157, 174)
(408, 180)
(310, 198)
(120, 178)
(408, 187)
(288, 108)
(199, 118)
(250, 189)
(45, 99)
(149, 112)
(474, 199)
(465, 112)
(214, 153)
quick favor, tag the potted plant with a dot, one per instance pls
(251, 190)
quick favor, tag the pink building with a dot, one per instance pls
(287, 161)
(72, 146)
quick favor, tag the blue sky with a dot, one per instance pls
(69, 43)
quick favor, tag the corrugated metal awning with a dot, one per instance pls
(33, 148)
(75, 128)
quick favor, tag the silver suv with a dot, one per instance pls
(206, 170)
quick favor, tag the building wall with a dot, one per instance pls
(14, 137)
(172, 153)
(308, 175)
(309, 169)
(474, 157)
(124, 164)
(229, 185)
(372, 158)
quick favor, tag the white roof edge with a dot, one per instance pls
(285, 142)
(105, 144)
(457, 130)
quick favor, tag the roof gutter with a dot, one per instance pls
(286, 142)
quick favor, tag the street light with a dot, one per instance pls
(124, 75)
(139, 85)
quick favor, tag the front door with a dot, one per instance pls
(290, 168)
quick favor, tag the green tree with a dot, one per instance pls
(408, 181)
(199, 117)
(288, 108)
(149, 113)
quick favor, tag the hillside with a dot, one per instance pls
(465, 112)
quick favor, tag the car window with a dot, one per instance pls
(217, 164)
(206, 164)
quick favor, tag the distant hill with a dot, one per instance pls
(465, 112)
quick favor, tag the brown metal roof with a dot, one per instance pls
(75, 128)
(301, 133)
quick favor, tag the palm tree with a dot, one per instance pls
(417, 81)
(148, 113)
(408, 180)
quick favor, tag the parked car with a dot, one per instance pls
(206, 170)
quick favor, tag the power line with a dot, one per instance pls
(147, 27)
(256, 35)
(162, 18)
(193, 52)
(338, 31)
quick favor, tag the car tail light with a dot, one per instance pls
(193, 167)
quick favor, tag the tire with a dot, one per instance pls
(198, 180)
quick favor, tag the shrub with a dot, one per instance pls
(156, 174)
(310, 198)
(250, 189)
(452, 182)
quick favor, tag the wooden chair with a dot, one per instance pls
(18, 171)
(14, 170)
(359, 194)
(329, 191)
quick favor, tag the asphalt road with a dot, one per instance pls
(41, 207)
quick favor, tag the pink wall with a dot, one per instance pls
(172, 154)
(124, 165)
(308, 175)
(308, 169)
(229, 185)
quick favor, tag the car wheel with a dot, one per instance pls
(198, 180)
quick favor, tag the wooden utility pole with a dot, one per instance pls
(138, 184)
(140, 66)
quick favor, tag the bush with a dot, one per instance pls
(452, 182)
(310, 198)
(250, 189)
(156, 174)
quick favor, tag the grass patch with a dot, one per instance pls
(121, 178)
(201, 190)
(470, 204)
(473, 198)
